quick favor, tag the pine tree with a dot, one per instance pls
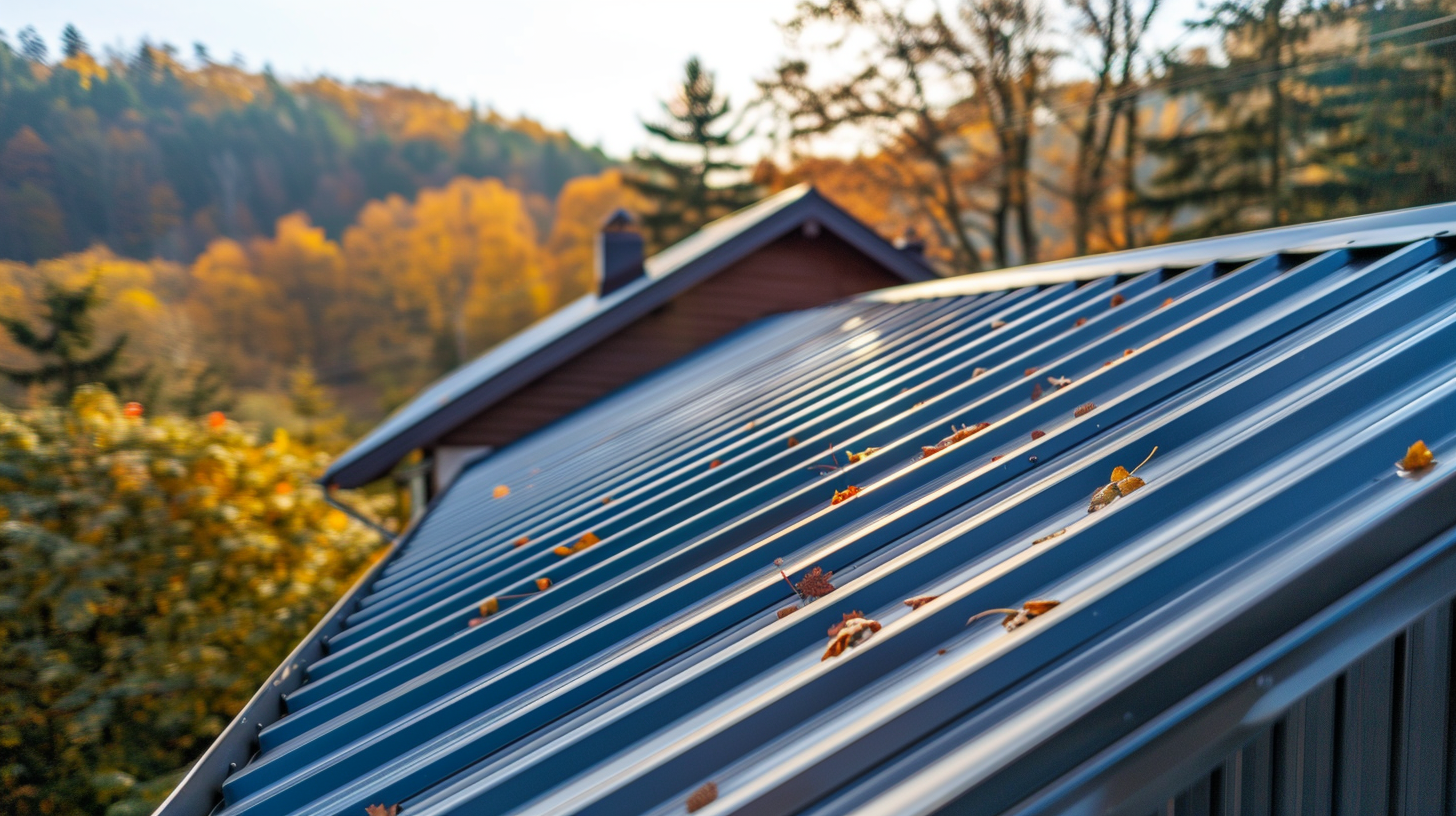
(68, 339)
(1235, 170)
(72, 43)
(684, 193)
(32, 47)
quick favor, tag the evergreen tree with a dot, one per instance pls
(72, 43)
(68, 339)
(32, 47)
(1234, 171)
(685, 194)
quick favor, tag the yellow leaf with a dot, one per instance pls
(1418, 457)
(501, 491)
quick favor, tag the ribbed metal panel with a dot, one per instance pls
(1199, 661)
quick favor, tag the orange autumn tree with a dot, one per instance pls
(585, 203)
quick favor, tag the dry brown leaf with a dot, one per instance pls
(1016, 618)
(852, 632)
(1117, 300)
(714, 464)
(522, 541)
(1084, 410)
(996, 324)
(606, 500)
(787, 611)
(1062, 531)
(702, 797)
(977, 371)
(844, 495)
(1417, 458)
(1029, 372)
(381, 810)
(844, 617)
(916, 603)
(1081, 321)
(1127, 352)
(1122, 484)
(792, 441)
(543, 583)
(955, 436)
(815, 584)
(1035, 435)
(1036, 392)
(500, 492)
(862, 455)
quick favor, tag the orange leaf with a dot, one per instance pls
(216, 420)
(852, 632)
(1081, 321)
(1166, 302)
(606, 500)
(845, 617)
(916, 603)
(562, 551)
(1119, 473)
(522, 541)
(585, 541)
(1417, 457)
(844, 495)
(862, 455)
(714, 464)
(702, 797)
(1029, 372)
(489, 607)
(381, 810)
(133, 410)
(1117, 300)
(543, 583)
(793, 441)
(1037, 434)
(1016, 618)
(1085, 409)
(501, 491)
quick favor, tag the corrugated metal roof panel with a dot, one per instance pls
(1277, 393)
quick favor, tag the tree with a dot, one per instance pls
(686, 194)
(32, 47)
(72, 43)
(68, 338)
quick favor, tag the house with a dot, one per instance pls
(1142, 532)
(793, 250)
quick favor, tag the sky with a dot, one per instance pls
(592, 68)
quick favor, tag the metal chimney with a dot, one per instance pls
(911, 243)
(619, 253)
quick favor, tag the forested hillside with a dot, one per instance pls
(156, 157)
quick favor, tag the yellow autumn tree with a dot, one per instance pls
(584, 203)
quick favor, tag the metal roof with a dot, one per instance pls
(579, 325)
(1273, 545)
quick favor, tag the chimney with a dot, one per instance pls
(619, 253)
(911, 243)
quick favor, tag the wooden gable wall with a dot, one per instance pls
(794, 272)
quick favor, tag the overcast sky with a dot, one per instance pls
(591, 67)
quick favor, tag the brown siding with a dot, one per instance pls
(794, 272)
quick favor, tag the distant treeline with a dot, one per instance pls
(156, 158)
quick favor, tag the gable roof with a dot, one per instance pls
(1273, 545)
(576, 327)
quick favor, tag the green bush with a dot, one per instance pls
(152, 573)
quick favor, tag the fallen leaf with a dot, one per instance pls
(585, 541)
(940, 651)
(997, 456)
(1029, 372)
(1036, 392)
(852, 632)
(702, 797)
(787, 611)
(1051, 536)
(1016, 618)
(793, 441)
(1122, 484)
(1081, 321)
(381, 810)
(714, 464)
(1127, 352)
(489, 607)
(845, 617)
(862, 455)
(1117, 300)
(749, 426)
(955, 436)
(1060, 382)
(996, 324)
(1166, 303)
(844, 495)
(1085, 409)
(977, 371)
(562, 551)
(1417, 458)
(543, 583)
(500, 492)
(814, 584)
(916, 603)
(522, 541)
(1037, 434)
(606, 500)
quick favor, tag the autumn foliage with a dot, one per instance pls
(154, 570)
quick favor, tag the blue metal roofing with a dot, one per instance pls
(498, 373)
(1277, 389)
